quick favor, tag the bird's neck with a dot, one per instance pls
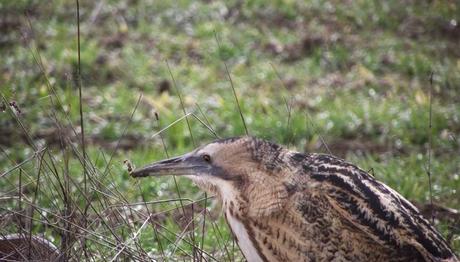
(229, 197)
(235, 211)
(243, 236)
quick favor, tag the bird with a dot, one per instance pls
(25, 247)
(283, 205)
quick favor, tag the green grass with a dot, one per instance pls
(355, 73)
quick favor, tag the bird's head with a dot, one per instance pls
(225, 167)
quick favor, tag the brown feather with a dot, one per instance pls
(288, 206)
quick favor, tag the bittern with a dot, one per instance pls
(25, 247)
(289, 206)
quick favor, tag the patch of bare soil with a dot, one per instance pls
(295, 51)
(184, 217)
(9, 23)
(415, 27)
(342, 147)
(114, 41)
(57, 137)
(310, 39)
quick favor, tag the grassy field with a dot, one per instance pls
(352, 74)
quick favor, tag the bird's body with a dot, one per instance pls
(288, 206)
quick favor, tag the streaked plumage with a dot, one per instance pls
(22, 247)
(288, 206)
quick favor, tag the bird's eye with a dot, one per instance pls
(207, 158)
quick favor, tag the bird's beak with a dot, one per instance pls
(180, 166)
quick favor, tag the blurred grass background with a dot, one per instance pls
(354, 73)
